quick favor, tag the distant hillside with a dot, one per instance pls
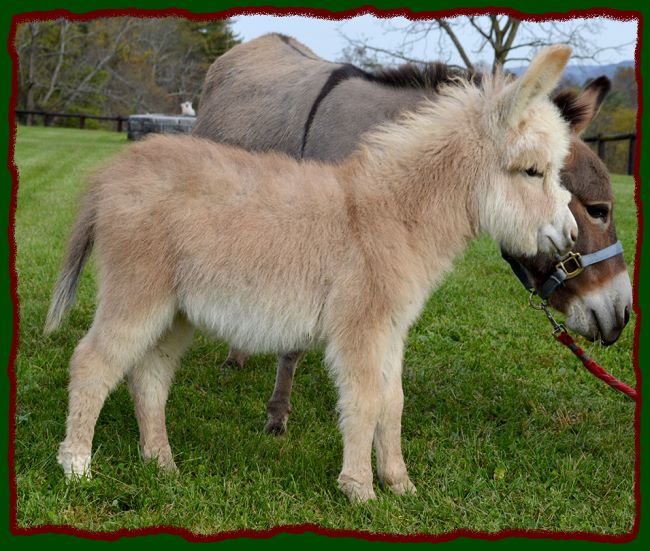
(581, 73)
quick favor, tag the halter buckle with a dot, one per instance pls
(571, 265)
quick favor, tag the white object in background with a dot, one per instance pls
(187, 110)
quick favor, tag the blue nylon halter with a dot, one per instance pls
(570, 266)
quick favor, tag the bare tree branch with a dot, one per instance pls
(112, 51)
(444, 25)
(473, 23)
(501, 35)
(512, 33)
(55, 75)
(394, 54)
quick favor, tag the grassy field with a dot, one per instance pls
(501, 429)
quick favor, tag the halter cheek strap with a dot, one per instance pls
(570, 266)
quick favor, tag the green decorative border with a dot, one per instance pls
(43, 9)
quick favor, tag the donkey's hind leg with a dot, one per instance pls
(102, 357)
(279, 406)
(236, 358)
(149, 382)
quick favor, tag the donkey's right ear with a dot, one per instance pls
(542, 75)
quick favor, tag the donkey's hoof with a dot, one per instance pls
(404, 487)
(168, 467)
(278, 412)
(74, 466)
(357, 492)
(230, 363)
(163, 458)
(276, 425)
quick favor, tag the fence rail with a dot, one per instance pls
(27, 117)
(601, 140)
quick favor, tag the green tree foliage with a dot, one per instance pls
(116, 66)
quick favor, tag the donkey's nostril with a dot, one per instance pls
(574, 235)
(626, 315)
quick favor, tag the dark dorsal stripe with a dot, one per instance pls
(339, 74)
(429, 76)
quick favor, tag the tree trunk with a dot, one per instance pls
(29, 99)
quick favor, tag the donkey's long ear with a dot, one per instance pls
(540, 78)
(580, 109)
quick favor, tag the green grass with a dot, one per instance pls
(501, 429)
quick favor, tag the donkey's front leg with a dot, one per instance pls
(358, 377)
(391, 468)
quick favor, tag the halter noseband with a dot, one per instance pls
(568, 267)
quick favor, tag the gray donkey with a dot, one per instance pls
(274, 93)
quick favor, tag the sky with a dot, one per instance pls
(325, 37)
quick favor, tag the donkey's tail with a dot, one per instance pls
(79, 248)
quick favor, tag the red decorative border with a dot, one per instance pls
(304, 528)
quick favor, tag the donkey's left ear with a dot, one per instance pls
(542, 75)
(580, 109)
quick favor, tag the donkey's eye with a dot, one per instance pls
(599, 212)
(533, 172)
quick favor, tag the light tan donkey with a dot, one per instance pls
(191, 233)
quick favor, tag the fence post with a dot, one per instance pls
(630, 155)
(82, 121)
(119, 124)
(601, 148)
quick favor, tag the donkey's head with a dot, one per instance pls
(522, 205)
(598, 300)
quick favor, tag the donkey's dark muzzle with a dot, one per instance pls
(610, 336)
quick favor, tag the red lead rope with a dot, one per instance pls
(593, 367)
(559, 332)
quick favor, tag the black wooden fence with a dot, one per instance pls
(29, 117)
(601, 140)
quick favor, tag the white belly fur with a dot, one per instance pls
(254, 323)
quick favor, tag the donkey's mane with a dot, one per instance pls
(413, 130)
(426, 76)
